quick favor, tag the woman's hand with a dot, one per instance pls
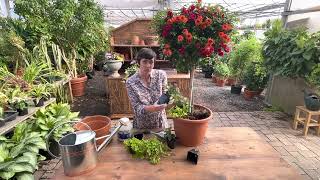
(155, 107)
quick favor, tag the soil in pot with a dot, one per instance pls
(40, 103)
(99, 124)
(236, 89)
(9, 115)
(22, 112)
(2, 123)
(183, 126)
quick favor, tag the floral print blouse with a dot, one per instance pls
(140, 95)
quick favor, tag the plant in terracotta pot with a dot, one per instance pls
(192, 33)
(222, 72)
(255, 78)
(247, 51)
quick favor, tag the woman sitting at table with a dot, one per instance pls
(144, 89)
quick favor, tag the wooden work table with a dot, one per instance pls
(117, 96)
(228, 153)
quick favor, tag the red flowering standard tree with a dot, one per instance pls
(194, 32)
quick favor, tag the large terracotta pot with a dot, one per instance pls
(99, 124)
(220, 82)
(192, 132)
(248, 95)
(78, 85)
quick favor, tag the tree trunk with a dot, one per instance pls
(191, 91)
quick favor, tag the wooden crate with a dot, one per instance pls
(118, 101)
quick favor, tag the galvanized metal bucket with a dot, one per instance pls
(78, 149)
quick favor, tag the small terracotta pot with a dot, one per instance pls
(192, 132)
(99, 124)
(78, 85)
(248, 95)
(230, 82)
(214, 79)
(142, 42)
(220, 82)
(135, 40)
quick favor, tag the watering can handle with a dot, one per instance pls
(47, 139)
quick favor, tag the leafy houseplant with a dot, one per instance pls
(312, 100)
(131, 70)
(222, 72)
(290, 53)
(192, 33)
(18, 100)
(170, 138)
(150, 149)
(39, 93)
(19, 155)
(255, 78)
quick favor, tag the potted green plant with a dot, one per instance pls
(206, 65)
(18, 100)
(170, 138)
(247, 51)
(40, 94)
(312, 100)
(222, 72)
(6, 115)
(188, 35)
(255, 78)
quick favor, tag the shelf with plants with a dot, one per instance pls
(31, 109)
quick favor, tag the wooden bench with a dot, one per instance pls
(306, 120)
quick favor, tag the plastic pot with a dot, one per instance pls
(236, 89)
(22, 112)
(9, 115)
(40, 103)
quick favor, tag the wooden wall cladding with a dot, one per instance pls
(138, 27)
(118, 101)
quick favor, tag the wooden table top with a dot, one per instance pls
(228, 153)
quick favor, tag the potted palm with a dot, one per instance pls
(222, 72)
(255, 78)
(193, 33)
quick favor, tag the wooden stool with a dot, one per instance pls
(306, 121)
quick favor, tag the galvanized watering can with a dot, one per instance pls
(78, 149)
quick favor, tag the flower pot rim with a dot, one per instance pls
(107, 119)
(82, 77)
(246, 89)
(197, 120)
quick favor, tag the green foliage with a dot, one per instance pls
(222, 70)
(55, 114)
(150, 149)
(168, 134)
(19, 155)
(290, 53)
(16, 98)
(131, 70)
(39, 91)
(181, 111)
(181, 104)
(314, 77)
(256, 76)
(247, 51)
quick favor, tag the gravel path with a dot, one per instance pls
(220, 99)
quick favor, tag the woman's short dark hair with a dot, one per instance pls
(145, 53)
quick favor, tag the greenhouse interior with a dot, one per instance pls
(160, 89)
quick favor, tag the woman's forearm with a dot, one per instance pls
(155, 108)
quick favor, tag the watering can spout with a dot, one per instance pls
(123, 122)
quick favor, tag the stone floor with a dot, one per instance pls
(303, 153)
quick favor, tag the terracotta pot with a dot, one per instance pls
(135, 40)
(78, 85)
(214, 79)
(192, 132)
(142, 42)
(220, 82)
(248, 95)
(99, 124)
(230, 82)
